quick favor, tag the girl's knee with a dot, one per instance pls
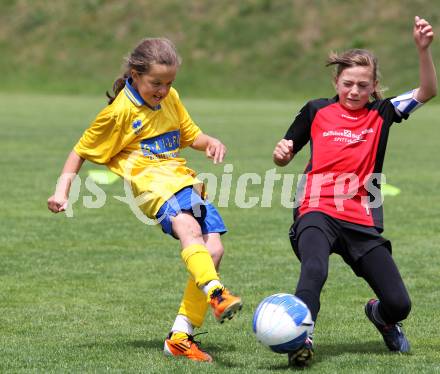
(186, 227)
(315, 269)
(399, 307)
(216, 249)
(404, 308)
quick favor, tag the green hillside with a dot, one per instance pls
(257, 48)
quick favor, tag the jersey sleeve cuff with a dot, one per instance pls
(405, 103)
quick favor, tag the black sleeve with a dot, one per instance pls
(388, 112)
(299, 130)
(397, 116)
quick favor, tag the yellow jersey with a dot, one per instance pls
(142, 145)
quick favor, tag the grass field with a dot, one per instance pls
(99, 291)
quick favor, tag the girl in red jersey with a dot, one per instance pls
(338, 207)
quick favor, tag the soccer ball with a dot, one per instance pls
(282, 322)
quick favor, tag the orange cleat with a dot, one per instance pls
(182, 344)
(224, 304)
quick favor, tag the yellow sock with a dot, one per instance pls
(194, 304)
(179, 335)
(199, 263)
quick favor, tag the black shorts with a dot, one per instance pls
(350, 240)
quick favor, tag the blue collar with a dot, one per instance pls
(134, 96)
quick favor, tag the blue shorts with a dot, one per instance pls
(187, 200)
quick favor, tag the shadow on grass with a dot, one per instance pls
(157, 345)
(154, 345)
(215, 350)
(336, 349)
(325, 351)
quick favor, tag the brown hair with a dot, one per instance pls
(149, 51)
(355, 57)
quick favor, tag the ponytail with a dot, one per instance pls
(118, 86)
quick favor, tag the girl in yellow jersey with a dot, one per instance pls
(138, 136)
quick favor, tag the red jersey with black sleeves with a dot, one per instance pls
(342, 178)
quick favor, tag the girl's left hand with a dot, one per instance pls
(215, 150)
(422, 32)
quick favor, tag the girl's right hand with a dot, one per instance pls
(58, 201)
(422, 32)
(56, 204)
(283, 152)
